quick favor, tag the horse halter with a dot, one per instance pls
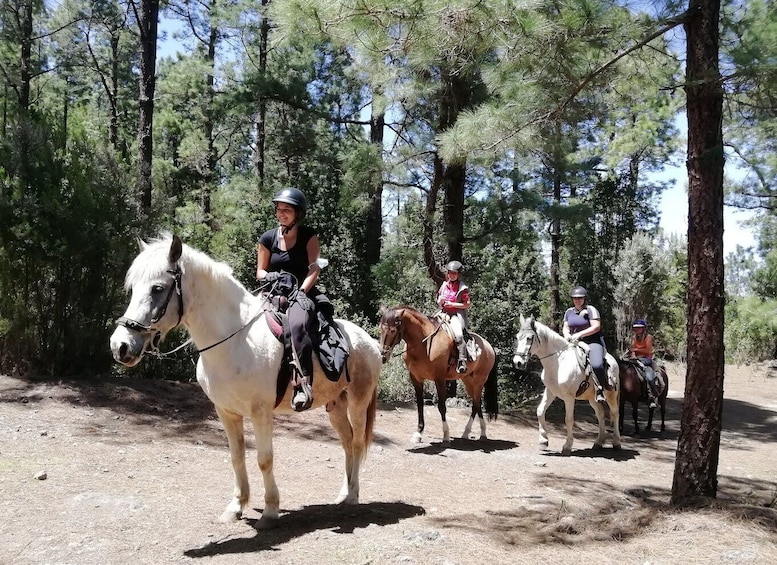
(134, 325)
(524, 353)
(391, 328)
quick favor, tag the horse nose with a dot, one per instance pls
(518, 362)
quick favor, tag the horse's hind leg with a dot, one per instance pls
(599, 410)
(443, 408)
(233, 426)
(471, 385)
(547, 398)
(352, 441)
(262, 421)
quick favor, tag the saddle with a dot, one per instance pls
(641, 370)
(330, 345)
(581, 354)
(473, 349)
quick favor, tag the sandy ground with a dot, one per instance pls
(138, 472)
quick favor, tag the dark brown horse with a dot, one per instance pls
(430, 355)
(634, 390)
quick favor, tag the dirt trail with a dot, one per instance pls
(138, 472)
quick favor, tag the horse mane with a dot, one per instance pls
(391, 312)
(544, 333)
(152, 261)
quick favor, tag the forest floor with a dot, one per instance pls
(137, 471)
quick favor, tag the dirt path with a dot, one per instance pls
(138, 472)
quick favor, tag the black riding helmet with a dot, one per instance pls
(579, 292)
(294, 197)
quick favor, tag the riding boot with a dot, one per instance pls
(461, 367)
(652, 394)
(599, 390)
(303, 393)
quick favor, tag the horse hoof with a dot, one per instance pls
(267, 523)
(229, 516)
(598, 446)
(616, 447)
(416, 438)
(566, 452)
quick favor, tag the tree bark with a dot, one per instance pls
(698, 447)
(147, 22)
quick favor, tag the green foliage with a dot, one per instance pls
(751, 330)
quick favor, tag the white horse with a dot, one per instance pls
(562, 374)
(173, 284)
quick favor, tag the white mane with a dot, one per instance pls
(152, 262)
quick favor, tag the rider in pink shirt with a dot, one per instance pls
(453, 298)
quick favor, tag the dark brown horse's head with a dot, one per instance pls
(390, 330)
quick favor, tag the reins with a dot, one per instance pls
(153, 349)
(409, 347)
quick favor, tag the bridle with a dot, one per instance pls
(397, 332)
(152, 345)
(142, 329)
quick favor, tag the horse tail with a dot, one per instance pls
(370, 425)
(491, 394)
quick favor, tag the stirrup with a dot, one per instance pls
(600, 396)
(303, 396)
(461, 367)
(653, 403)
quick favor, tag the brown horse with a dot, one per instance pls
(634, 390)
(430, 355)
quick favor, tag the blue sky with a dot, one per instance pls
(674, 213)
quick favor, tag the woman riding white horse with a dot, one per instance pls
(566, 375)
(173, 284)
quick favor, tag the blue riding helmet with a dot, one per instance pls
(639, 324)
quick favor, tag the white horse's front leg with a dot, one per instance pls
(569, 420)
(233, 426)
(599, 410)
(264, 455)
(547, 398)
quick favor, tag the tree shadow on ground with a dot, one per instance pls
(342, 519)
(588, 510)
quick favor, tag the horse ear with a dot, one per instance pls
(142, 244)
(522, 318)
(176, 248)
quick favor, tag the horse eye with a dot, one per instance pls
(157, 288)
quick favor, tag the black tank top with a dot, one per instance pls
(294, 260)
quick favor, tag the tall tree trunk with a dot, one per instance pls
(555, 254)
(210, 172)
(261, 122)
(147, 22)
(696, 465)
(374, 219)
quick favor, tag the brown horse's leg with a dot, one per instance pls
(442, 407)
(474, 389)
(635, 415)
(419, 402)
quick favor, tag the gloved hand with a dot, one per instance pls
(302, 299)
(271, 277)
(573, 339)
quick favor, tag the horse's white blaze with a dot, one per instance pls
(239, 375)
(562, 375)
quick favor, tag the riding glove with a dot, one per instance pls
(272, 277)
